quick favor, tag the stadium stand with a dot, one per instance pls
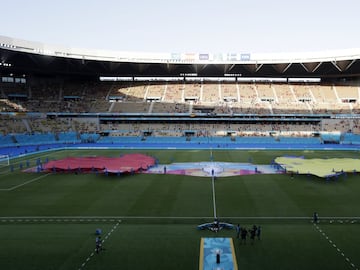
(171, 103)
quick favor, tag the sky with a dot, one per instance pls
(186, 26)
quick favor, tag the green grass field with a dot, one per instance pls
(48, 221)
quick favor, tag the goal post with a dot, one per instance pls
(4, 160)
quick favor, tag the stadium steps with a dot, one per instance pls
(112, 104)
(26, 124)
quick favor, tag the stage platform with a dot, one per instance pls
(217, 253)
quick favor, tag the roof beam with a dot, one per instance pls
(343, 64)
(282, 68)
(311, 67)
(335, 64)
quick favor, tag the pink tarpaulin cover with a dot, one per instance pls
(125, 163)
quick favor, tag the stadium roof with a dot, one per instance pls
(21, 56)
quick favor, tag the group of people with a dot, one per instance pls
(242, 233)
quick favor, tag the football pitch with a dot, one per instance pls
(149, 221)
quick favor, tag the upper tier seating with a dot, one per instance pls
(180, 97)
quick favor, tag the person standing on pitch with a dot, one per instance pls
(258, 232)
(98, 244)
(252, 234)
(315, 218)
(243, 234)
(238, 231)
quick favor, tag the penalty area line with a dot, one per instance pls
(103, 241)
(25, 183)
(347, 259)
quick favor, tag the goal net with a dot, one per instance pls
(4, 160)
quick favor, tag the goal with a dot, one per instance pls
(4, 160)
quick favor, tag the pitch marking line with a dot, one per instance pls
(25, 183)
(213, 195)
(114, 218)
(103, 241)
(334, 245)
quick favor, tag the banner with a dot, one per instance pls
(203, 56)
(245, 57)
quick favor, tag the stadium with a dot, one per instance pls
(151, 150)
